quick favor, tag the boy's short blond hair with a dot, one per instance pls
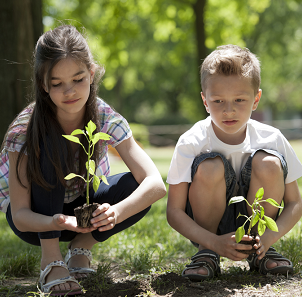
(231, 60)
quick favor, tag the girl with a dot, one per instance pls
(35, 158)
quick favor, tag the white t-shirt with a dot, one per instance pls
(201, 138)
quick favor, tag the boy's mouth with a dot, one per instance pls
(230, 122)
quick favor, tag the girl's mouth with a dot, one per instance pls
(71, 101)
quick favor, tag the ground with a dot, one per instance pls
(235, 281)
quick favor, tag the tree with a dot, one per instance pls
(20, 27)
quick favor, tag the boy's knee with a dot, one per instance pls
(266, 165)
(210, 170)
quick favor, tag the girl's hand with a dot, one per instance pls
(105, 217)
(64, 222)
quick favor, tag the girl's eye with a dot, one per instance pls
(78, 80)
(57, 85)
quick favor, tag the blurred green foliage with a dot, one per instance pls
(149, 50)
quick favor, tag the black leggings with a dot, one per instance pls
(52, 202)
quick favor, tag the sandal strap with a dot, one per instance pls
(195, 263)
(271, 254)
(207, 254)
(201, 264)
(45, 272)
(78, 251)
(47, 287)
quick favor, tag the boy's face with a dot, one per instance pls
(230, 101)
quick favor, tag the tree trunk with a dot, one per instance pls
(202, 51)
(20, 27)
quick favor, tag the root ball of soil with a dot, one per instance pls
(84, 214)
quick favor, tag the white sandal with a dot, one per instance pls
(46, 287)
(79, 251)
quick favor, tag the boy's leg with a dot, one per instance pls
(208, 193)
(267, 171)
(211, 181)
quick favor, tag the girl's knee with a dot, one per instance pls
(210, 171)
(265, 165)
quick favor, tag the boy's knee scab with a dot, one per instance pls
(266, 164)
(210, 170)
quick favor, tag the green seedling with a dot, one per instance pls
(257, 216)
(90, 164)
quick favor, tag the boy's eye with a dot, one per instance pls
(218, 101)
(239, 100)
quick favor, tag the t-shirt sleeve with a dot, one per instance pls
(114, 124)
(293, 163)
(16, 134)
(180, 167)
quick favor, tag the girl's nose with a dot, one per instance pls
(69, 90)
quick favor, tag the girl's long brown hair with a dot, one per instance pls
(53, 46)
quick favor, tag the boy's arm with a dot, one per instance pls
(224, 245)
(290, 215)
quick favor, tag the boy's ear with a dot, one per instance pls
(257, 99)
(205, 102)
(92, 73)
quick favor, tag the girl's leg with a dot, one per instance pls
(51, 252)
(120, 187)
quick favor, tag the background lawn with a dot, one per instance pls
(151, 243)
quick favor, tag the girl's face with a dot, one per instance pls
(69, 88)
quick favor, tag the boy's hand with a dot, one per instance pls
(105, 217)
(227, 247)
(64, 222)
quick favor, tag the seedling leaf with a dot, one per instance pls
(255, 220)
(91, 167)
(262, 212)
(90, 128)
(259, 193)
(104, 179)
(72, 175)
(239, 233)
(72, 138)
(96, 183)
(261, 227)
(77, 132)
(236, 199)
(270, 223)
(273, 202)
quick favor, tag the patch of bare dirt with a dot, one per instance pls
(237, 281)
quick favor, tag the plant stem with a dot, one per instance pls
(87, 186)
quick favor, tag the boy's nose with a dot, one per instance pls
(229, 108)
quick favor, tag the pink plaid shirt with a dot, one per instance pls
(111, 122)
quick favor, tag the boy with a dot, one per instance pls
(227, 155)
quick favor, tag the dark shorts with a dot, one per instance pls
(229, 222)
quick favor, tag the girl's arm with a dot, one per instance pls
(24, 218)
(151, 186)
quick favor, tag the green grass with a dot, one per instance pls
(149, 245)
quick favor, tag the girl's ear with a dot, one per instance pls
(205, 102)
(257, 99)
(45, 88)
(92, 72)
